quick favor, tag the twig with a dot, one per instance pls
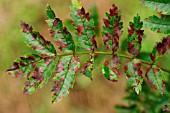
(109, 53)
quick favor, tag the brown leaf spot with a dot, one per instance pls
(93, 40)
(85, 66)
(132, 49)
(22, 63)
(80, 29)
(106, 63)
(157, 8)
(137, 68)
(26, 28)
(131, 30)
(31, 58)
(81, 12)
(114, 11)
(60, 44)
(106, 22)
(60, 67)
(14, 67)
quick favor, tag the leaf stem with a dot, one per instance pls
(109, 53)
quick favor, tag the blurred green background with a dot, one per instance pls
(98, 96)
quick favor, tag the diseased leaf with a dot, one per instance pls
(134, 74)
(158, 24)
(160, 6)
(88, 68)
(135, 36)
(40, 73)
(36, 69)
(160, 49)
(156, 78)
(110, 68)
(37, 42)
(64, 76)
(22, 66)
(112, 29)
(60, 34)
(84, 27)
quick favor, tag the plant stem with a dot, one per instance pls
(109, 53)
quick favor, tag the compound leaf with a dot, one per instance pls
(135, 36)
(60, 34)
(112, 29)
(110, 68)
(158, 24)
(134, 74)
(156, 78)
(64, 76)
(37, 42)
(84, 27)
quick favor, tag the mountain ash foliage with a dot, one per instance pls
(46, 62)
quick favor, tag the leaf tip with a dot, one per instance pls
(76, 3)
(49, 12)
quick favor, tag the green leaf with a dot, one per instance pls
(162, 6)
(135, 36)
(134, 74)
(37, 42)
(59, 33)
(156, 78)
(110, 68)
(65, 76)
(112, 29)
(85, 36)
(158, 24)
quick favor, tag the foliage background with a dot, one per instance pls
(98, 96)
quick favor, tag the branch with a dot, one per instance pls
(120, 55)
